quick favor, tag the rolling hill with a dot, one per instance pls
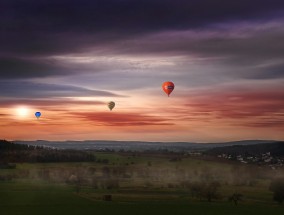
(275, 149)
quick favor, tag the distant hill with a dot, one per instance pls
(9, 146)
(137, 145)
(11, 152)
(275, 149)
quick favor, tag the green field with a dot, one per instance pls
(138, 185)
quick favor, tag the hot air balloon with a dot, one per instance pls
(168, 87)
(111, 105)
(37, 114)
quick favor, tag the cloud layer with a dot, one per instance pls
(225, 58)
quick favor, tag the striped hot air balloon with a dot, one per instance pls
(111, 105)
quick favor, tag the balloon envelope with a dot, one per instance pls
(168, 87)
(37, 114)
(111, 105)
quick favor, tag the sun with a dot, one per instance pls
(22, 111)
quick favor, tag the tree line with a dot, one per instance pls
(14, 153)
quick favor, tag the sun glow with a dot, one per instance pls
(22, 111)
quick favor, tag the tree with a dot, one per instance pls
(236, 197)
(208, 191)
(77, 181)
(277, 187)
(196, 190)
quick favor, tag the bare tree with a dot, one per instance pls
(236, 197)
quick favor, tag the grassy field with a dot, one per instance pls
(143, 184)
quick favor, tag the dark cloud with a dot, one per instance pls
(27, 68)
(274, 71)
(50, 26)
(22, 89)
(240, 43)
(11, 68)
(126, 15)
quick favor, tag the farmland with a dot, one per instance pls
(138, 183)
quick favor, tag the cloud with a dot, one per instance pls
(237, 42)
(15, 68)
(127, 14)
(265, 123)
(48, 102)
(270, 71)
(21, 89)
(248, 105)
(222, 41)
(122, 119)
(49, 26)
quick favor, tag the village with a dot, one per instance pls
(259, 159)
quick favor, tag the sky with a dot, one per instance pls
(69, 58)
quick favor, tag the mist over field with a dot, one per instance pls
(239, 176)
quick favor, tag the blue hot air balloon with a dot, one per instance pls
(37, 114)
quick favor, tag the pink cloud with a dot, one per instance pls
(122, 119)
(260, 106)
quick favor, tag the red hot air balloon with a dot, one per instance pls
(168, 87)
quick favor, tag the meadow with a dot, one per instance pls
(138, 183)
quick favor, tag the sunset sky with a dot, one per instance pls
(68, 59)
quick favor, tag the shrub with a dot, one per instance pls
(277, 187)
